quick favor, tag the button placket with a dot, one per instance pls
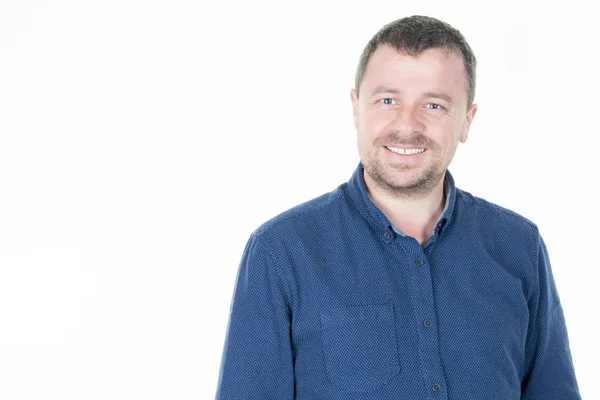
(424, 310)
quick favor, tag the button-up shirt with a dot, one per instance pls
(332, 302)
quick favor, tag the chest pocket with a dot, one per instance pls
(359, 344)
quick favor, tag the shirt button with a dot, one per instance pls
(436, 387)
(427, 323)
(387, 235)
(419, 261)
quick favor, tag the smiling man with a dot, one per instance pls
(413, 111)
(397, 284)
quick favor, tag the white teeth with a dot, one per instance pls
(407, 151)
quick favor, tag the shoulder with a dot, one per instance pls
(496, 218)
(507, 237)
(306, 216)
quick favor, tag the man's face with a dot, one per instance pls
(411, 103)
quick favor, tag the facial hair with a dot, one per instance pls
(383, 175)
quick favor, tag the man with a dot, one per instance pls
(398, 285)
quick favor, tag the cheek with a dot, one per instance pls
(373, 122)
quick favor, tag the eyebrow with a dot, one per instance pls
(437, 95)
(383, 89)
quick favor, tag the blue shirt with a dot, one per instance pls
(332, 303)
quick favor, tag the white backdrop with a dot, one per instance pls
(141, 142)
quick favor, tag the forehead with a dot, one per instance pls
(433, 69)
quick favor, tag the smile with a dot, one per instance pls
(405, 151)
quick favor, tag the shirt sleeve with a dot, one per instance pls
(549, 373)
(257, 361)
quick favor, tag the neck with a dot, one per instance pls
(415, 217)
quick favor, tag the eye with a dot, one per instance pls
(434, 106)
(387, 101)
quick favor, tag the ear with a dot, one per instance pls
(354, 99)
(467, 125)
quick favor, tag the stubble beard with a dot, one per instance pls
(385, 175)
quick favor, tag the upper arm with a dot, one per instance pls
(257, 356)
(549, 367)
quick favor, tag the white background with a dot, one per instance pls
(141, 142)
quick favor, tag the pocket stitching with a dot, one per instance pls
(393, 370)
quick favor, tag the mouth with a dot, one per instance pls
(408, 151)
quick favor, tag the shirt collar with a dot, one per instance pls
(359, 196)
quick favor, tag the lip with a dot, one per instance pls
(404, 157)
(404, 147)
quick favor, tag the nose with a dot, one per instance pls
(408, 120)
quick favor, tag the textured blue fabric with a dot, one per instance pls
(332, 303)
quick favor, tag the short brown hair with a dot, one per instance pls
(415, 34)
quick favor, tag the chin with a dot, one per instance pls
(405, 183)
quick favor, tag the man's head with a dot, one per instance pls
(414, 89)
